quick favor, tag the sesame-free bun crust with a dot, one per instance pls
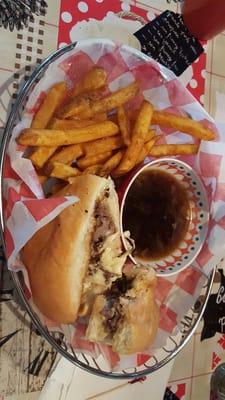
(57, 256)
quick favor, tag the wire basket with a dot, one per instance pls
(96, 366)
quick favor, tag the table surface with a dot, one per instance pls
(25, 358)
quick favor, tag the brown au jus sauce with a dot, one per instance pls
(157, 214)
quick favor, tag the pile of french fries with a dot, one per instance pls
(85, 131)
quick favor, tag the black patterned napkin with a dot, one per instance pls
(168, 41)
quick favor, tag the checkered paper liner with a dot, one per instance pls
(26, 209)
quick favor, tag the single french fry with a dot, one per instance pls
(108, 103)
(182, 124)
(42, 118)
(63, 171)
(74, 108)
(92, 96)
(102, 145)
(49, 105)
(41, 155)
(94, 79)
(42, 179)
(124, 125)
(141, 126)
(80, 104)
(50, 138)
(162, 150)
(139, 136)
(111, 163)
(86, 162)
(92, 170)
(68, 154)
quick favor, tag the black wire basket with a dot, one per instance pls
(96, 366)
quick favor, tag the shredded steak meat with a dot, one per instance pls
(112, 317)
(113, 309)
(104, 227)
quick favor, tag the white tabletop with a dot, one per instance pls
(67, 381)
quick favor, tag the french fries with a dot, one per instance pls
(49, 138)
(100, 117)
(89, 109)
(79, 103)
(96, 118)
(139, 136)
(92, 170)
(49, 105)
(74, 123)
(94, 79)
(143, 121)
(63, 171)
(124, 125)
(41, 155)
(146, 150)
(67, 154)
(151, 135)
(162, 150)
(102, 145)
(99, 134)
(111, 164)
(182, 124)
(86, 162)
(42, 118)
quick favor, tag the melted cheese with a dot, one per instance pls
(111, 259)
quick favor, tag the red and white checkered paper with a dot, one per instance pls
(26, 209)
